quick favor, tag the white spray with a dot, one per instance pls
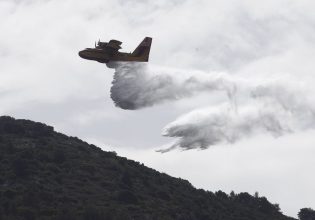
(273, 106)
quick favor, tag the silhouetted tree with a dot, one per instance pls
(306, 214)
(232, 194)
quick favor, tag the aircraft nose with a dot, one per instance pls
(81, 54)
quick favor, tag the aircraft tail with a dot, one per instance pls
(143, 49)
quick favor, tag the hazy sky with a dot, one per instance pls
(43, 79)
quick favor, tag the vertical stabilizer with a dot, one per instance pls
(143, 50)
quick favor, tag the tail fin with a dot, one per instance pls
(143, 49)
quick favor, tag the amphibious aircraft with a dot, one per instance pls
(105, 52)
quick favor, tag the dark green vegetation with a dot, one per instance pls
(47, 175)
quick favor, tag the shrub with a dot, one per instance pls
(126, 196)
(20, 167)
(26, 213)
(59, 156)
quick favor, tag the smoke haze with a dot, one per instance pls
(273, 106)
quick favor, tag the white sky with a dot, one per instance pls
(43, 79)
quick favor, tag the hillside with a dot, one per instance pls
(49, 176)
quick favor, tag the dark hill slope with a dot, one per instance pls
(47, 175)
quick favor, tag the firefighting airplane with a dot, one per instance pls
(105, 52)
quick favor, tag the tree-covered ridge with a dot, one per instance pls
(48, 175)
